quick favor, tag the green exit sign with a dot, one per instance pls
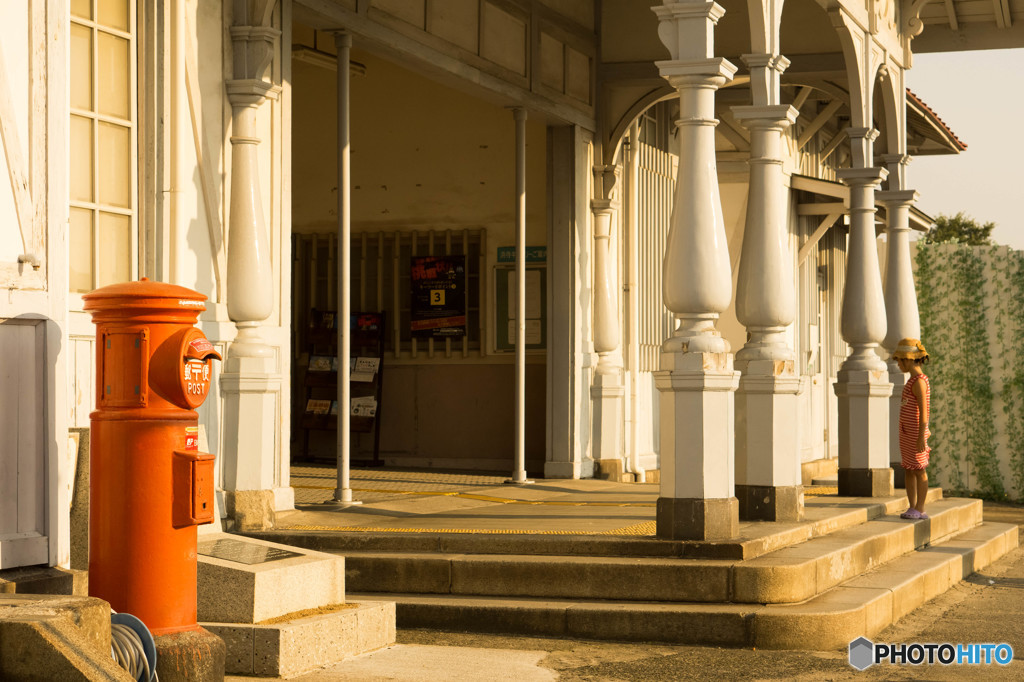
(534, 254)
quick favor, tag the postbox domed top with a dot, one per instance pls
(144, 296)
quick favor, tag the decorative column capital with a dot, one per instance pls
(249, 92)
(765, 76)
(714, 72)
(897, 165)
(904, 198)
(862, 146)
(686, 28)
(777, 116)
(253, 49)
(862, 177)
(606, 187)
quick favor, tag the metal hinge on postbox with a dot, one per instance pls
(192, 472)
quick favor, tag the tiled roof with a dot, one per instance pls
(936, 120)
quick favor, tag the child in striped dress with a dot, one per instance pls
(915, 406)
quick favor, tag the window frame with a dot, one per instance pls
(96, 119)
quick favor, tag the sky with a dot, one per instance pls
(983, 107)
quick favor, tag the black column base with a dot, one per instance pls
(683, 518)
(866, 482)
(770, 503)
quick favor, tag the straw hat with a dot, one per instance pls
(911, 349)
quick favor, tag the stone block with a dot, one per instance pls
(56, 638)
(190, 656)
(697, 519)
(770, 503)
(865, 482)
(292, 647)
(230, 591)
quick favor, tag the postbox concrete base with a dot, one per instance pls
(190, 656)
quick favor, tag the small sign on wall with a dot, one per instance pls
(536, 298)
(438, 306)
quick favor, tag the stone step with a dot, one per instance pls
(791, 574)
(824, 515)
(861, 606)
(293, 645)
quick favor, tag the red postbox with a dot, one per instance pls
(150, 486)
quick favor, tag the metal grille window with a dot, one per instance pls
(103, 155)
(380, 283)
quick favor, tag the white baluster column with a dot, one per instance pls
(902, 316)
(863, 386)
(607, 391)
(255, 480)
(768, 483)
(696, 380)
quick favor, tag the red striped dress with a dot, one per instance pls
(910, 424)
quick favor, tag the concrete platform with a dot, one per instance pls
(579, 517)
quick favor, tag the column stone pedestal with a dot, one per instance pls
(697, 444)
(767, 455)
(253, 489)
(864, 469)
(607, 394)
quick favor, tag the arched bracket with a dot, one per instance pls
(912, 24)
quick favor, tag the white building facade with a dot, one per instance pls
(699, 188)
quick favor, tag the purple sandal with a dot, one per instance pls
(912, 514)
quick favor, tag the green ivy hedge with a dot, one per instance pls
(971, 301)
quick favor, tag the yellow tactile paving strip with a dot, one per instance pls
(507, 500)
(645, 528)
(484, 498)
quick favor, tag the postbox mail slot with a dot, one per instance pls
(193, 488)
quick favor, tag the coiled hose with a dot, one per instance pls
(128, 651)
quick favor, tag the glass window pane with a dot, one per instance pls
(81, 67)
(115, 165)
(81, 158)
(114, 13)
(113, 76)
(115, 246)
(80, 242)
(81, 8)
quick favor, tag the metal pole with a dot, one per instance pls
(519, 472)
(343, 493)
